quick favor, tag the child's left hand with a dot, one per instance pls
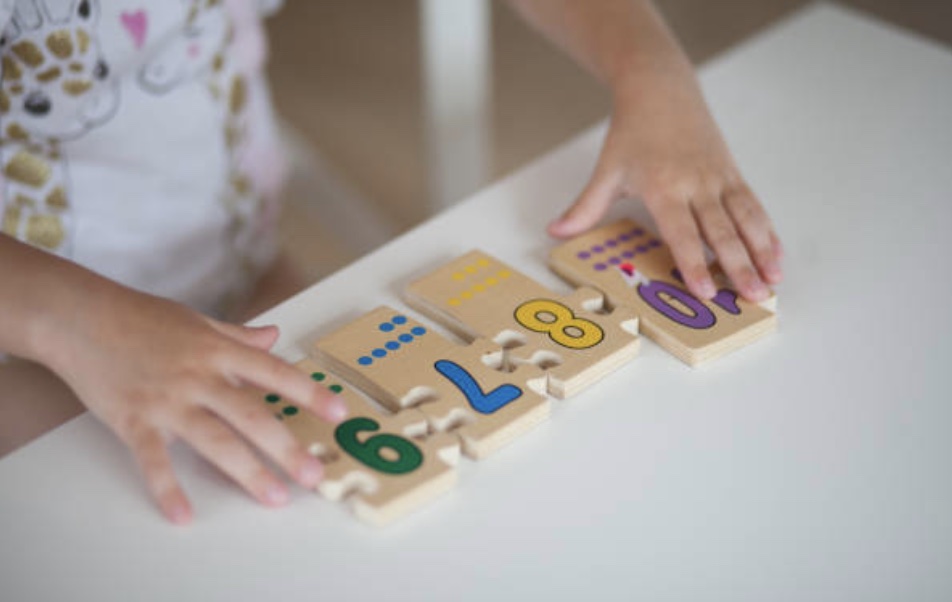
(664, 146)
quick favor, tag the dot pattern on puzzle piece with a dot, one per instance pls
(690, 328)
(563, 335)
(454, 386)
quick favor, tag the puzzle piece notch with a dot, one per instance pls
(635, 269)
(383, 466)
(575, 339)
(459, 389)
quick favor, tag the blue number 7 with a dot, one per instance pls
(484, 403)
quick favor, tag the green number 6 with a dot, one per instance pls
(387, 453)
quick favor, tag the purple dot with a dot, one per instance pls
(598, 249)
(611, 244)
(637, 232)
(584, 255)
(628, 254)
(614, 261)
(625, 237)
(641, 249)
(654, 244)
(600, 266)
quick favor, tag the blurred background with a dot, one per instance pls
(348, 82)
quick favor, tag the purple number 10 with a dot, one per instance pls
(700, 316)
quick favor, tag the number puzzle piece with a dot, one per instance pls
(635, 269)
(403, 364)
(381, 464)
(479, 296)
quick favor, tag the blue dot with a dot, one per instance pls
(386, 327)
(399, 320)
(365, 361)
(378, 352)
(418, 331)
(392, 345)
(406, 338)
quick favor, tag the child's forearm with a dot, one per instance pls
(41, 297)
(618, 41)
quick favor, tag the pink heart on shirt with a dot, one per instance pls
(137, 24)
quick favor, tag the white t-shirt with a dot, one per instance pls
(138, 141)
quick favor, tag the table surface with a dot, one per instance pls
(815, 464)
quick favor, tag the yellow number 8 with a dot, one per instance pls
(558, 321)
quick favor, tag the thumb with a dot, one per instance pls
(590, 206)
(260, 337)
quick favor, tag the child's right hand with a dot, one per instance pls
(153, 370)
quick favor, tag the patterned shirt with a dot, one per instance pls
(137, 139)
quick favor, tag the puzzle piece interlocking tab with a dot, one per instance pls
(465, 390)
(575, 339)
(384, 466)
(634, 268)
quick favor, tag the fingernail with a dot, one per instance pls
(276, 495)
(336, 409)
(707, 289)
(178, 513)
(311, 472)
(757, 292)
(774, 272)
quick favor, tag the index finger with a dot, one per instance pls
(680, 232)
(274, 375)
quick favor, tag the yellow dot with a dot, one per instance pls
(459, 276)
(491, 282)
(479, 288)
(466, 295)
(503, 274)
(454, 301)
(470, 269)
(483, 262)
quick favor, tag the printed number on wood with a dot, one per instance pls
(634, 268)
(403, 364)
(570, 337)
(385, 461)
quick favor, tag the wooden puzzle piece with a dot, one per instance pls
(403, 364)
(384, 466)
(635, 269)
(574, 339)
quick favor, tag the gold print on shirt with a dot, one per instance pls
(200, 53)
(54, 86)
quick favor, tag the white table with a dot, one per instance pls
(813, 465)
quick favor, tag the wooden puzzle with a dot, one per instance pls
(384, 466)
(574, 339)
(523, 340)
(632, 267)
(460, 389)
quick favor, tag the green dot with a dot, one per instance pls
(336, 388)
(290, 411)
(318, 376)
(272, 398)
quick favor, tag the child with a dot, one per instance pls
(138, 142)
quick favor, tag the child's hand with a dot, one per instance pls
(663, 146)
(153, 370)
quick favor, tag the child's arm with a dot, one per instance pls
(663, 144)
(153, 370)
